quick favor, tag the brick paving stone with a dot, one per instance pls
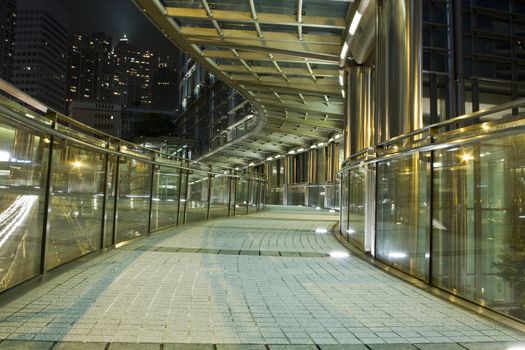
(190, 285)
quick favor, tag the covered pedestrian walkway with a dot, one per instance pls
(276, 279)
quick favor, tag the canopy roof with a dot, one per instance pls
(281, 55)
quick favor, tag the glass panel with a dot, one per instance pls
(330, 194)
(183, 199)
(76, 203)
(134, 197)
(165, 197)
(252, 195)
(478, 231)
(297, 195)
(219, 197)
(197, 204)
(23, 172)
(241, 196)
(402, 214)
(356, 206)
(110, 200)
(343, 212)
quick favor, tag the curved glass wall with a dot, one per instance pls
(24, 155)
(67, 191)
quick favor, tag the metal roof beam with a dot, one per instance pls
(257, 56)
(329, 124)
(315, 107)
(261, 18)
(199, 32)
(303, 133)
(287, 71)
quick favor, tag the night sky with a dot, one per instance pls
(116, 17)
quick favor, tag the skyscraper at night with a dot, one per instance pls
(165, 83)
(40, 52)
(133, 74)
(90, 68)
(7, 36)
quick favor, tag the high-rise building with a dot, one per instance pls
(133, 75)
(165, 83)
(40, 54)
(7, 36)
(90, 68)
(106, 117)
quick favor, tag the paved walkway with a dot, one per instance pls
(266, 279)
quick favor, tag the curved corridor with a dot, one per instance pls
(267, 278)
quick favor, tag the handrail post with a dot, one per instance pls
(47, 200)
(210, 177)
(186, 195)
(179, 187)
(230, 179)
(105, 195)
(234, 196)
(115, 200)
(430, 215)
(248, 193)
(152, 183)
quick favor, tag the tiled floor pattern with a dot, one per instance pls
(46, 345)
(148, 296)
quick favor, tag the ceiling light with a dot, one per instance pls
(344, 51)
(355, 23)
(321, 230)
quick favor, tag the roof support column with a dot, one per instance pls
(398, 62)
(359, 128)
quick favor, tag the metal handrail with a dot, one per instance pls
(352, 162)
(51, 130)
(499, 108)
(33, 103)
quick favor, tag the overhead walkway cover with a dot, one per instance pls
(282, 56)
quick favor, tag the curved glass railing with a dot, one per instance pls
(67, 190)
(446, 204)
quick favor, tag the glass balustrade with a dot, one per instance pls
(67, 191)
(449, 207)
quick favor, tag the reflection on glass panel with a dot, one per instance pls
(23, 168)
(297, 195)
(220, 188)
(344, 210)
(197, 202)
(76, 203)
(253, 188)
(402, 213)
(110, 200)
(330, 196)
(493, 94)
(183, 202)
(315, 196)
(479, 226)
(165, 197)
(241, 197)
(134, 198)
(356, 204)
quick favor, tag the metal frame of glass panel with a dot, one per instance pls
(447, 206)
(69, 190)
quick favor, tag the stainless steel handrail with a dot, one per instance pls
(33, 103)
(485, 112)
(10, 90)
(351, 162)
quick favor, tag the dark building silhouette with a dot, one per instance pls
(40, 53)
(133, 74)
(7, 36)
(165, 83)
(90, 68)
